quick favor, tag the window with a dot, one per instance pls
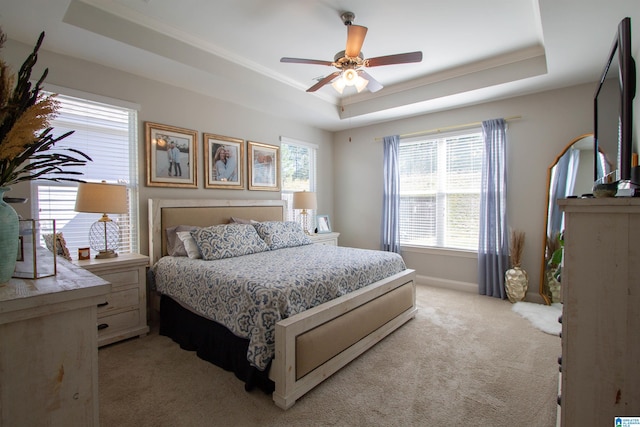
(298, 171)
(440, 190)
(107, 132)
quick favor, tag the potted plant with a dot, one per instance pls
(28, 148)
(554, 270)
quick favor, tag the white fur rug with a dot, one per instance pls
(543, 317)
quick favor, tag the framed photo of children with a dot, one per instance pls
(223, 160)
(264, 166)
(172, 156)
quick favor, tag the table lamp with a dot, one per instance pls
(305, 200)
(103, 198)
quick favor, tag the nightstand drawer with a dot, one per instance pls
(119, 300)
(125, 313)
(110, 324)
(121, 278)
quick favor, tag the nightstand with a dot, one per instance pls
(326, 238)
(124, 314)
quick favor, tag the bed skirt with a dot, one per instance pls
(212, 342)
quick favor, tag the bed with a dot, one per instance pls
(298, 336)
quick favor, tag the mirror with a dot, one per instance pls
(571, 174)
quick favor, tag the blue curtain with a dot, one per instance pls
(493, 247)
(390, 240)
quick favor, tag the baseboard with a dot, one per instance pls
(439, 282)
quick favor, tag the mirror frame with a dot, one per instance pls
(543, 267)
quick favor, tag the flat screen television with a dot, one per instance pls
(613, 104)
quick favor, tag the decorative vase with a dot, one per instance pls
(516, 284)
(8, 238)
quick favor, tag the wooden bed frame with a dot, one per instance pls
(312, 345)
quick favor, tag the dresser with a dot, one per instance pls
(326, 238)
(48, 349)
(124, 312)
(601, 311)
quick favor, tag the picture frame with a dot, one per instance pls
(20, 256)
(224, 171)
(59, 247)
(182, 172)
(34, 261)
(264, 166)
(323, 224)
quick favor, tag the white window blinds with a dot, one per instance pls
(298, 172)
(108, 134)
(440, 190)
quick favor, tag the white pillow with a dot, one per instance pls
(175, 247)
(189, 244)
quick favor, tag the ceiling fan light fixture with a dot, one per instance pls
(350, 76)
(361, 83)
(339, 85)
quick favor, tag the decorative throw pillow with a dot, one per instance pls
(226, 241)
(279, 234)
(175, 247)
(189, 243)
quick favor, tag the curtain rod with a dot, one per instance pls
(447, 128)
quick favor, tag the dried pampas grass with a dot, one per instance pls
(517, 247)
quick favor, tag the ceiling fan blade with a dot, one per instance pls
(305, 61)
(324, 81)
(355, 39)
(400, 58)
(373, 84)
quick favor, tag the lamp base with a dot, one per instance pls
(106, 254)
(304, 216)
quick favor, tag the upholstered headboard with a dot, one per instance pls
(204, 212)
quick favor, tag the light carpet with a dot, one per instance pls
(465, 359)
(543, 317)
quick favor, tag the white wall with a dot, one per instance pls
(549, 121)
(349, 162)
(170, 105)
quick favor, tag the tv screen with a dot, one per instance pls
(613, 102)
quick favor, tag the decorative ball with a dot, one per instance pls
(97, 236)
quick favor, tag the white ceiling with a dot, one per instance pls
(474, 50)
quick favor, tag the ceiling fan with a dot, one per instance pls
(350, 62)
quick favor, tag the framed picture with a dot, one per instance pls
(264, 166)
(172, 156)
(223, 160)
(60, 245)
(20, 249)
(323, 224)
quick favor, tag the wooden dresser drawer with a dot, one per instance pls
(119, 300)
(121, 278)
(107, 325)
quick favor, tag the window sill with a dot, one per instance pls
(440, 251)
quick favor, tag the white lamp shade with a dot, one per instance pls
(101, 198)
(339, 84)
(361, 83)
(304, 200)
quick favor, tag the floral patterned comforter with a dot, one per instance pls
(249, 294)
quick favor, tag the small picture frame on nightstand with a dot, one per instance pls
(323, 224)
(84, 253)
